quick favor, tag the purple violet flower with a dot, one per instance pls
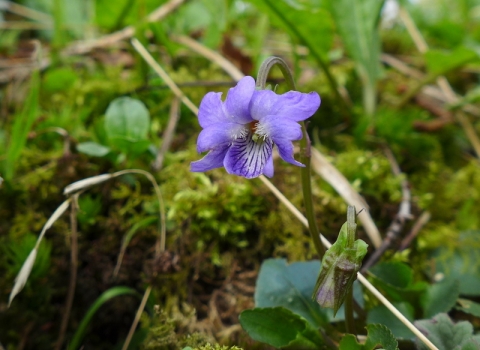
(240, 132)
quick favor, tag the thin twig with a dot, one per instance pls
(137, 318)
(442, 82)
(168, 133)
(304, 221)
(398, 222)
(73, 271)
(421, 221)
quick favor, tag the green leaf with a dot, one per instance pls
(440, 297)
(349, 342)
(380, 314)
(102, 299)
(93, 149)
(439, 62)
(446, 335)
(357, 24)
(378, 335)
(460, 261)
(127, 122)
(280, 328)
(469, 307)
(291, 286)
(393, 273)
(397, 281)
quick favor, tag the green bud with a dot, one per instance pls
(340, 265)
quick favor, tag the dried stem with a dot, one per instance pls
(137, 318)
(73, 270)
(421, 221)
(168, 134)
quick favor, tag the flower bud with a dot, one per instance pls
(340, 265)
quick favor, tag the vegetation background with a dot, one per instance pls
(399, 119)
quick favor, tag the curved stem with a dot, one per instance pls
(313, 51)
(263, 72)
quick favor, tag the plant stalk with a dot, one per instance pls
(305, 153)
(349, 318)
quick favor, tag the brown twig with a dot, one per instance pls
(168, 133)
(73, 271)
(398, 222)
(421, 221)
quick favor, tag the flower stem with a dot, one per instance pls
(349, 318)
(304, 149)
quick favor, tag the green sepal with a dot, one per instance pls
(340, 265)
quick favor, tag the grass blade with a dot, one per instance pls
(102, 299)
(21, 126)
(357, 23)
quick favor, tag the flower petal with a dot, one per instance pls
(217, 135)
(212, 110)
(248, 158)
(276, 127)
(238, 100)
(214, 159)
(268, 170)
(285, 149)
(293, 105)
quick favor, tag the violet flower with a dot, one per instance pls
(240, 132)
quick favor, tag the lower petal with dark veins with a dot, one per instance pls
(248, 158)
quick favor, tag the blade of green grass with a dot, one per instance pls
(102, 299)
(357, 24)
(21, 126)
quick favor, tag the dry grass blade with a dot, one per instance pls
(27, 266)
(213, 56)
(161, 72)
(85, 183)
(73, 271)
(297, 213)
(335, 178)
(22, 276)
